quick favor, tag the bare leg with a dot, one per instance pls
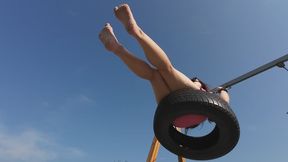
(155, 55)
(138, 66)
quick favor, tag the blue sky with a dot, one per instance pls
(64, 98)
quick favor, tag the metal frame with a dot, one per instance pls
(278, 62)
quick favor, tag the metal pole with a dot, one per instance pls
(278, 62)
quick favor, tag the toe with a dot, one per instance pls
(124, 5)
(116, 8)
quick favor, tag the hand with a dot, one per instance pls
(223, 93)
(220, 89)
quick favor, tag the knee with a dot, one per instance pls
(167, 69)
(156, 75)
(148, 75)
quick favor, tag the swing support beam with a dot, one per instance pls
(278, 62)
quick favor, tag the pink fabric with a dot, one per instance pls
(189, 120)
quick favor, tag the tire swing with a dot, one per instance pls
(219, 142)
(183, 102)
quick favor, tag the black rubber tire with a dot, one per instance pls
(219, 142)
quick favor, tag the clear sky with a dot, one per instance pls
(63, 98)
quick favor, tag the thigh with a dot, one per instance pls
(177, 80)
(159, 86)
(164, 82)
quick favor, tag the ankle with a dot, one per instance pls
(137, 33)
(119, 49)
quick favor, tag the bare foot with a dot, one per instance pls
(108, 38)
(124, 14)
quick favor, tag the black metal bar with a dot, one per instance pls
(254, 72)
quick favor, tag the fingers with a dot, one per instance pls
(220, 89)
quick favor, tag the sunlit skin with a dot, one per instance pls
(198, 84)
(159, 71)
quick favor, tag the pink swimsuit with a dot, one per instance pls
(189, 120)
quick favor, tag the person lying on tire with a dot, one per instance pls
(163, 76)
